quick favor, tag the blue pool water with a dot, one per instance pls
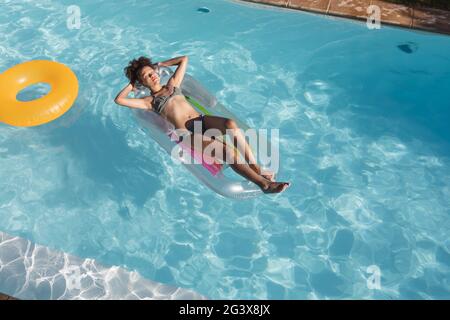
(364, 139)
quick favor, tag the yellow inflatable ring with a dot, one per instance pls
(63, 92)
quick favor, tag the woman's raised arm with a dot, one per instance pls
(178, 76)
(122, 99)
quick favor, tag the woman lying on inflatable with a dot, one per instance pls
(169, 101)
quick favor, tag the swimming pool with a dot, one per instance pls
(363, 118)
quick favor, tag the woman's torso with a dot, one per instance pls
(176, 109)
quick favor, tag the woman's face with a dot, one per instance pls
(149, 77)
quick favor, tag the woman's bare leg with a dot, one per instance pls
(224, 124)
(200, 142)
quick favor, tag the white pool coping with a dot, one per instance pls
(32, 271)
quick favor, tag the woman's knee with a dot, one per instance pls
(231, 154)
(230, 124)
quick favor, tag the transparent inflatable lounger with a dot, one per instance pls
(212, 175)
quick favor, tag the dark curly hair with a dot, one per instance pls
(134, 67)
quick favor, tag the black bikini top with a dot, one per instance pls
(159, 102)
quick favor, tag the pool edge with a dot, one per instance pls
(417, 18)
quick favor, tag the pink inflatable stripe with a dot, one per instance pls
(214, 168)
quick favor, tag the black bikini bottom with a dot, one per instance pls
(190, 124)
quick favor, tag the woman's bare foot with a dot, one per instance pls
(267, 174)
(275, 187)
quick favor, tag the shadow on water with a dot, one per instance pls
(407, 100)
(409, 115)
(404, 115)
(108, 160)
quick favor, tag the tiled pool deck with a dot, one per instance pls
(427, 19)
